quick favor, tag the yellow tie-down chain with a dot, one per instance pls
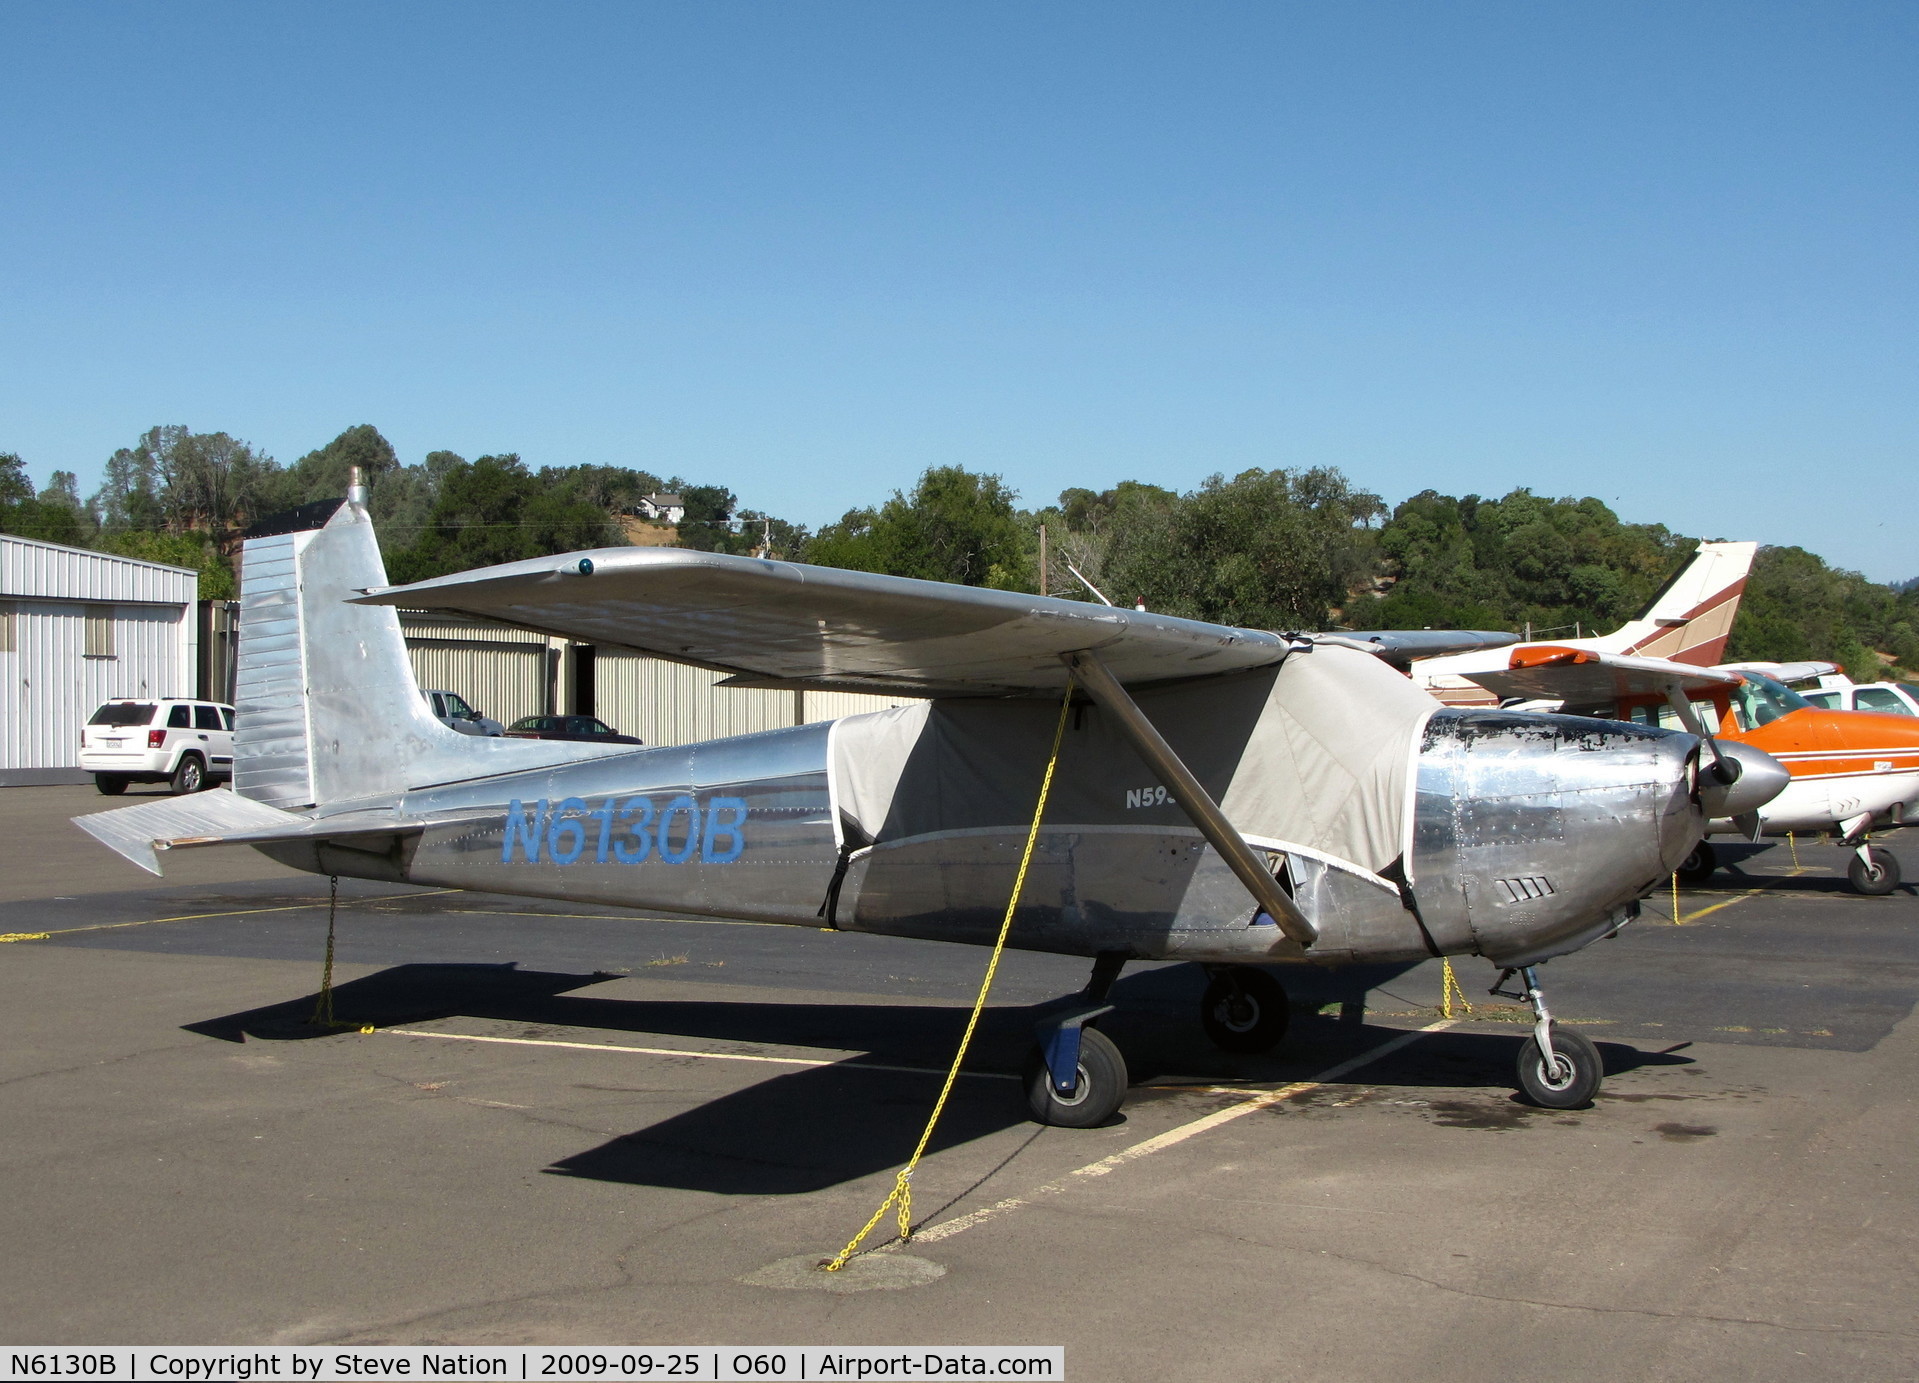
(902, 1193)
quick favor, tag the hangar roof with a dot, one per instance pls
(53, 571)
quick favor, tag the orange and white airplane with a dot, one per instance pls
(1851, 771)
(1688, 621)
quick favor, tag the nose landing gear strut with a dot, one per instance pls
(1558, 1068)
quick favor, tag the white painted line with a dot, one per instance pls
(843, 1063)
(1172, 1137)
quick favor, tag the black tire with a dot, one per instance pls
(1096, 1097)
(1245, 1010)
(1881, 877)
(1698, 867)
(189, 775)
(110, 784)
(1574, 1083)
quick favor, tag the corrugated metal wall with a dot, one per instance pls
(507, 673)
(503, 673)
(665, 703)
(48, 686)
(52, 572)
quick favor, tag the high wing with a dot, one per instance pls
(775, 623)
(1590, 680)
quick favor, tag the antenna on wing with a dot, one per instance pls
(1087, 584)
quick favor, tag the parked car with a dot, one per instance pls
(585, 729)
(1887, 698)
(451, 710)
(133, 740)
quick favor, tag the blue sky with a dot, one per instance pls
(1661, 254)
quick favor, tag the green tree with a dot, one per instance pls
(1276, 549)
(494, 510)
(45, 516)
(956, 526)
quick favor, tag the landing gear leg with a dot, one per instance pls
(1558, 1068)
(1075, 1077)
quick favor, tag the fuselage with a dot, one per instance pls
(1844, 765)
(1522, 837)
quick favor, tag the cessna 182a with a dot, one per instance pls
(1233, 797)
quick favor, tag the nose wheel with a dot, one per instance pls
(1697, 868)
(1873, 871)
(1558, 1068)
(1244, 1009)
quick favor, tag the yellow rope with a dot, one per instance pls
(902, 1192)
(1448, 988)
(1792, 843)
(1677, 920)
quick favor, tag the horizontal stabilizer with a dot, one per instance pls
(136, 831)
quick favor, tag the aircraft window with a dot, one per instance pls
(1760, 701)
(1708, 716)
(1882, 699)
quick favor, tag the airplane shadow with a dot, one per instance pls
(806, 1130)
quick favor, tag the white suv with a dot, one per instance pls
(185, 743)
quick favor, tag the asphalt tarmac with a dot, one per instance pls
(571, 1125)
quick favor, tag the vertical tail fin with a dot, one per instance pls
(327, 708)
(1691, 617)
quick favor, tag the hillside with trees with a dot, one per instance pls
(1278, 549)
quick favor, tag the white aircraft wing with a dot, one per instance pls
(1588, 680)
(780, 623)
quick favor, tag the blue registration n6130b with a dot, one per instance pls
(625, 830)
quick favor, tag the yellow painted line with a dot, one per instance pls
(201, 916)
(1266, 1099)
(842, 1062)
(1738, 898)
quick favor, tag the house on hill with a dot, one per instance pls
(662, 508)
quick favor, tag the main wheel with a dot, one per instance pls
(1574, 1079)
(1245, 1010)
(110, 784)
(1882, 876)
(1698, 867)
(190, 775)
(1097, 1094)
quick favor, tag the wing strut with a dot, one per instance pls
(1188, 792)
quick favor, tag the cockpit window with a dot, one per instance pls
(1760, 701)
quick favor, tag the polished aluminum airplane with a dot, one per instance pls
(1237, 798)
